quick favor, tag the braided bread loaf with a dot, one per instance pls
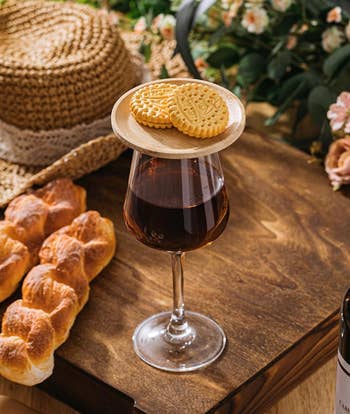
(53, 293)
(29, 219)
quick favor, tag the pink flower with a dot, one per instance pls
(339, 113)
(227, 18)
(334, 15)
(291, 42)
(200, 63)
(304, 27)
(337, 163)
(255, 20)
(140, 25)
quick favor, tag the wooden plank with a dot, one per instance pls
(83, 392)
(33, 397)
(313, 396)
(269, 385)
(316, 395)
(273, 281)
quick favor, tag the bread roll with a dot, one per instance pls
(53, 293)
(29, 219)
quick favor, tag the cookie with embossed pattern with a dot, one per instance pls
(149, 105)
(198, 110)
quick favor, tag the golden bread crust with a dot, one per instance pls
(53, 293)
(29, 219)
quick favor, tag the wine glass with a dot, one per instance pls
(177, 205)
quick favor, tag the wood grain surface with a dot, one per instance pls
(273, 281)
(315, 395)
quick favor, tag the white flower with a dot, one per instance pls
(332, 38)
(140, 25)
(347, 31)
(255, 20)
(281, 5)
(291, 42)
(167, 26)
(334, 15)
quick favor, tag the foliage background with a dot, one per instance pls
(135, 8)
(259, 66)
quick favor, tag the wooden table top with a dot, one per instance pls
(274, 281)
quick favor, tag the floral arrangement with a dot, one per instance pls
(289, 53)
(337, 162)
(154, 30)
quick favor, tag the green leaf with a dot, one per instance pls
(336, 61)
(250, 68)
(164, 74)
(296, 87)
(146, 51)
(299, 116)
(274, 118)
(283, 27)
(264, 91)
(277, 68)
(225, 55)
(308, 80)
(319, 100)
(217, 36)
(326, 137)
(315, 7)
(342, 81)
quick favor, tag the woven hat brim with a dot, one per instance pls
(15, 179)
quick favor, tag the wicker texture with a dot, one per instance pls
(61, 64)
(16, 178)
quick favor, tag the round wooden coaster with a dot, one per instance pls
(171, 143)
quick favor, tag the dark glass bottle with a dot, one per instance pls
(342, 400)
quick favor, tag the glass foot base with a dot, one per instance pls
(206, 345)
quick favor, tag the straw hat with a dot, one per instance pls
(62, 67)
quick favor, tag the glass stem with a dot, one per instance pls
(178, 331)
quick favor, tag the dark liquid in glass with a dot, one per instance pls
(176, 205)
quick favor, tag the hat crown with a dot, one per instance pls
(61, 64)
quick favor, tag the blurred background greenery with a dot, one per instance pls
(134, 8)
